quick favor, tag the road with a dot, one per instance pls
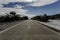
(29, 30)
(7, 25)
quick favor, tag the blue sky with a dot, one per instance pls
(53, 8)
(47, 9)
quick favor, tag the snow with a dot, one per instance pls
(53, 23)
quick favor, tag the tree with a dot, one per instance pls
(25, 18)
(17, 17)
(1, 18)
(13, 13)
(43, 18)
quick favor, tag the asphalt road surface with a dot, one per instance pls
(29, 30)
(6, 25)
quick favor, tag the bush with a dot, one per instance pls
(43, 18)
(25, 18)
(10, 17)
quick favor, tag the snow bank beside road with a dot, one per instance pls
(53, 24)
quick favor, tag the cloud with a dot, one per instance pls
(43, 2)
(22, 12)
(34, 2)
(30, 0)
(7, 1)
(29, 15)
(7, 10)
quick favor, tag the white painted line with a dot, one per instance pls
(48, 28)
(29, 25)
(10, 27)
(52, 30)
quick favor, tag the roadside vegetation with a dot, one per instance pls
(10, 19)
(12, 16)
(46, 18)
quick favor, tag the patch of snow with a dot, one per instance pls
(53, 23)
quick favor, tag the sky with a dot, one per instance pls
(30, 7)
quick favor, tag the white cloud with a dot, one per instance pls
(29, 15)
(35, 2)
(7, 10)
(18, 11)
(31, 0)
(18, 7)
(43, 2)
(22, 11)
(7, 1)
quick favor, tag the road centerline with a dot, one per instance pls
(29, 30)
(29, 25)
